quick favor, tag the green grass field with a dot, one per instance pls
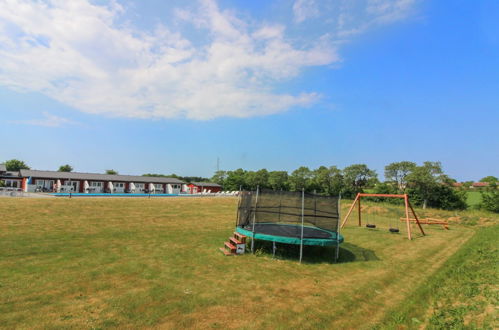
(473, 198)
(101, 263)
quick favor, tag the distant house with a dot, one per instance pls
(54, 181)
(203, 187)
(480, 184)
(457, 184)
(10, 179)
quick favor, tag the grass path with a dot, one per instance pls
(99, 263)
(463, 294)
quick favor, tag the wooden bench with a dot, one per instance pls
(429, 221)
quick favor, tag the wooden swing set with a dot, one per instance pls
(407, 207)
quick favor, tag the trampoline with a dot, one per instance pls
(291, 234)
(290, 218)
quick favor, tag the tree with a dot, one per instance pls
(467, 184)
(386, 188)
(16, 165)
(278, 180)
(490, 201)
(397, 173)
(328, 181)
(236, 180)
(424, 179)
(111, 172)
(257, 179)
(429, 186)
(219, 177)
(301, 178)
(190, 178)
(65, 168)
(160, 175)
(444, 197)
(490, 179)
(357, 177)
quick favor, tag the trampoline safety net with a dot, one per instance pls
(283, 207)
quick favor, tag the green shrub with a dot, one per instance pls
(490, 201)
(441, 197)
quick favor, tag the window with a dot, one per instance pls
(44, 185)
(119, 185)
(158, 186)
(73, 185)
(95, 184)
(12, 183)
(139, 185)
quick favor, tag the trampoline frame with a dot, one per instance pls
(293, 240)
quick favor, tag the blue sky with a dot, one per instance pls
(165, 87)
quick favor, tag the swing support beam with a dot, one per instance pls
(407, 204)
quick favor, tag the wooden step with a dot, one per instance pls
(225, 252)
(235, 241)
(240, 237)
(231, 247)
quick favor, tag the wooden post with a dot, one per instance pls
(416, 217)
(349, 211)
(360, 212)
(406, 200)
(337, 255)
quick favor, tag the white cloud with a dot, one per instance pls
(80, 54)
(49, 120)
(389, 11)
(357, 17)
(305, 9)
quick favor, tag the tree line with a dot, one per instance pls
(427, 184)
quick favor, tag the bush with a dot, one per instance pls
(441, 197)
(490, 201)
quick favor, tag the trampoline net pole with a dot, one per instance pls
(254, 219)
(302, 221)
(280, 205)
(238, 207)
(338, 231)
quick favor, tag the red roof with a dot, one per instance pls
(480, 184)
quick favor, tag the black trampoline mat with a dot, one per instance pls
(289, 230)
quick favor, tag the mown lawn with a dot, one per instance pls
(99, 263)
(473, 198)
(463, 294)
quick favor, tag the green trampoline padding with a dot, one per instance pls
(291, 234)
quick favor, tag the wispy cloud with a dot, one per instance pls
(82, 55)
(305, 9)
(49, 120)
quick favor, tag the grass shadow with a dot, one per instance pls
(315, 254)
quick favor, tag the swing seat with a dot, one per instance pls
(370, 225)
(394, 230)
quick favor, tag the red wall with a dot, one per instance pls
(201, 188)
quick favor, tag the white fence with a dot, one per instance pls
(11, 192)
